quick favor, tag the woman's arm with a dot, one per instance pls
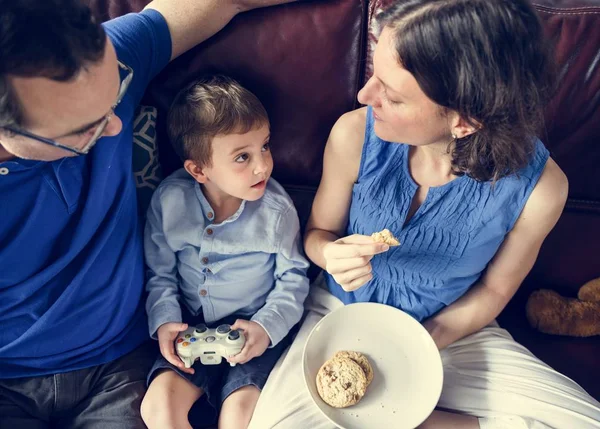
(329, 214)
(347, 258)
(509, 267)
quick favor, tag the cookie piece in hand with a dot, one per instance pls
(341, 382)
(360, 359)
(386, 237)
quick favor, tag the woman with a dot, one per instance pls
(469, 192)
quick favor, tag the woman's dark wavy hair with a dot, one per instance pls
(46, 38)
(485, 60)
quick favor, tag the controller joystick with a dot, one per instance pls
(200, 329)
(223, 329)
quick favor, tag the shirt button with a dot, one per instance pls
(203, 292)
(205, 260)
(4, 171)
(210, 215)
(209, 231)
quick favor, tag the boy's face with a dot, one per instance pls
(241, 164)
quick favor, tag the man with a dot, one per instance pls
(73, 334)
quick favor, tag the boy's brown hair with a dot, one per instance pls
(209, 107)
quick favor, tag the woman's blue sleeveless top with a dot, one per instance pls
(448, 242)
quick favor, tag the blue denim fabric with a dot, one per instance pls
(251, 264)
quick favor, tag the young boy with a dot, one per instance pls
(223, 245)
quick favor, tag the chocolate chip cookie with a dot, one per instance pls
(360, 359)
(341, 382)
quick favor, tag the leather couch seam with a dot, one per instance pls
(541, 6)
(574, 13)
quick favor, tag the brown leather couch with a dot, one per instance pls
(307, 61)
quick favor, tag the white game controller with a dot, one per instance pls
(208, 345)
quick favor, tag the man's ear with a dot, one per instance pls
(460, 127)
(195, 171)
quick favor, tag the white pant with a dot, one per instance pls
(486, 374)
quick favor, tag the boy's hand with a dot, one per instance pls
(257, 341)
(167, 332)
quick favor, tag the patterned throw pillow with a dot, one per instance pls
(146, 168)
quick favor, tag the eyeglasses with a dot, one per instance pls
(90, 137)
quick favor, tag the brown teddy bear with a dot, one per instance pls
(552, 313)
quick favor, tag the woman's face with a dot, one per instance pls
(402, 111)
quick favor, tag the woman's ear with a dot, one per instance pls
(460, 127)
(195, 171)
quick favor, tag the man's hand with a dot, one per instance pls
(348, 260)
(257, 341)
(167, 332)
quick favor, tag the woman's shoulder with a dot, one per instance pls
(548, 198)
(350, 126)
(345, 144)
(552, 188)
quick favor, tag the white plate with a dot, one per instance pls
(406, 362)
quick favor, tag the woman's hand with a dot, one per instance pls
(348, 259)
(257, 341)
(167, 332)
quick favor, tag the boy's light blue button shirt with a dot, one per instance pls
(251, 264)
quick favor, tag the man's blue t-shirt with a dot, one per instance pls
(71, 258)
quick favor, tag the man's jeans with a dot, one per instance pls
(102, 397)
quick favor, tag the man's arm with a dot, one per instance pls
(509, 267)
(193, 21)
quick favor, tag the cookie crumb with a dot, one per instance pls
(385, 236)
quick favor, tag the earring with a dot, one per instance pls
(454, 137)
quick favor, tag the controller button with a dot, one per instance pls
(185, 344)
(192, 340)
(201, 328)
(187, 335)
(179, 340)
(234, 335)
(210, 339)
(223, 329)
